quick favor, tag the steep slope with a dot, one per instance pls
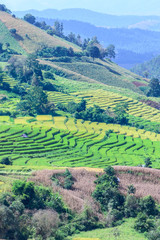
(98, 71)
(31, 38)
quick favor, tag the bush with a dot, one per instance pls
(49, 75)
(6, 161)
(106, 192)
(131, 206)
(45, 223)
(143, 223)
(13, 31)
(148, 206)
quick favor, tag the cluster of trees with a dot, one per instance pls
(32, 20)
(35, 212)
(32, 211)
(65, 180)
(118, 206)
(95, 113)
(91, 47)
(3, 8)
(34, 102)
(56, 52)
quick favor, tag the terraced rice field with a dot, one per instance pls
(109, 100)
(74, 143)
(11, 81)
(57, 97)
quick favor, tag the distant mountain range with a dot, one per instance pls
(98, 19)
(133, 44)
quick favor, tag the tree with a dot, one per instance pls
(13, 31)
(121, 116)
(143, 223)
(110, 51)
(131, 206)
(131, 189)
(106, 192)
(4, 8)
(93, 52)
(45, 223)
(6, 161)
(58, 27)
(29, 18)
(148, 206)
(35, 102)
(154, 86)
(148, 163)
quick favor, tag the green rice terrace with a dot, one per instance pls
(61, 141)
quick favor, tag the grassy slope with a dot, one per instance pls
(126, 233)
(102, 72)
(36, 37)
(5, 37)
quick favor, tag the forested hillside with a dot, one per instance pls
(79, 138)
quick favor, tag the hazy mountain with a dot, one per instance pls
(97, 19)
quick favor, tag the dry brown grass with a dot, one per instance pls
(36, 37)
(83, 187)
(145, 180)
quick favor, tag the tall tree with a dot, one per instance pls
(110, 51)
(93, 52)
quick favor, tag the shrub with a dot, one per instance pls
(148, 206)
(143, 223)
(131, 189)
(45, 223)
(106, 192)
(6, 161)
(13, 31)
(49, 75)
(131, 206)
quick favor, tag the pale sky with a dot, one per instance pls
(118, 7)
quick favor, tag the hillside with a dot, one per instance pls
(79, 141)
(152, 68)
(29, 37)
(104, 72)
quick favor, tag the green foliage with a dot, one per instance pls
(13, 31)
(110, 51)
(106, 192)
(6, 161)
(4, 8)
(93, 51)
(155, 233)
(143, 223)
(131, 189)
(29, 18)
(35, 102)
(131, 206)
(67, 182)
(154, 86)
(56, 52)
(148, 162)
(37, 197)
(49, 75)
(121, 116)
(148, 206)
